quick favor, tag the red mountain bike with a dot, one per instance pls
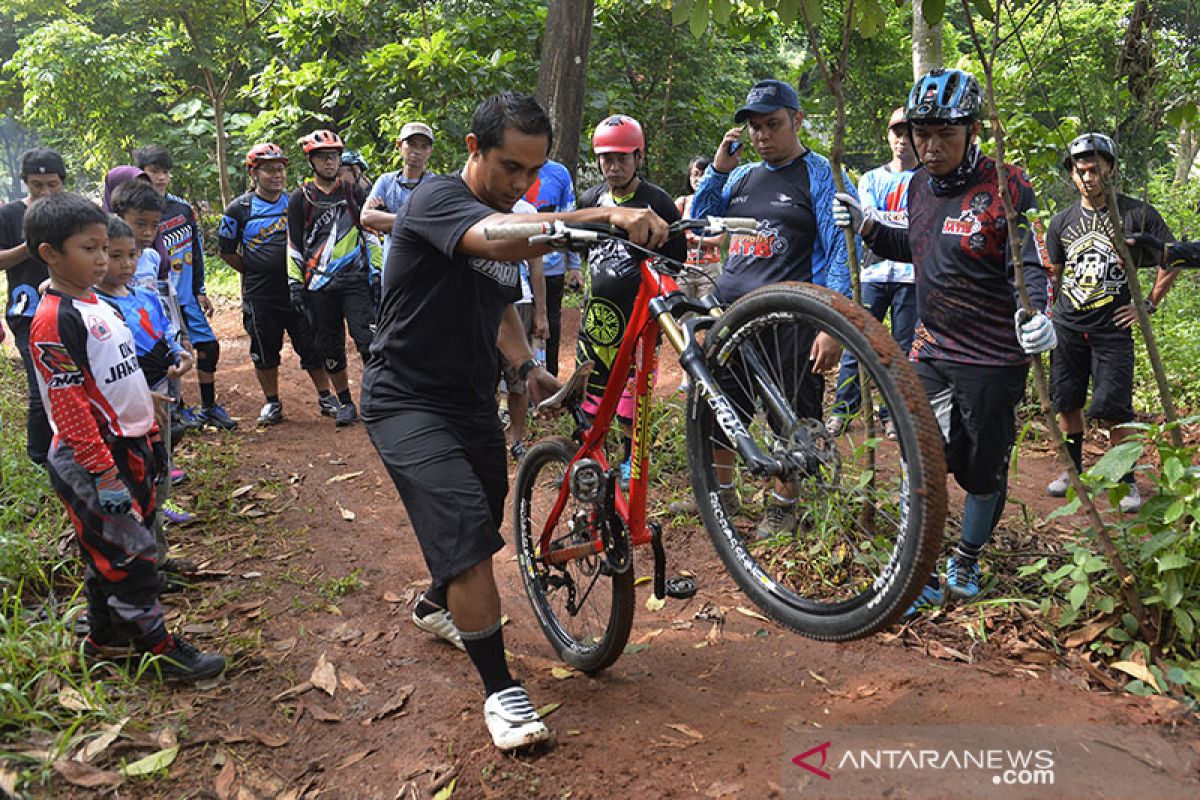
(868, 522)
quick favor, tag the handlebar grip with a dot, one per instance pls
(739, 222)
(517, 230)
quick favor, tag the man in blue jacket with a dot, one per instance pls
(796, 239)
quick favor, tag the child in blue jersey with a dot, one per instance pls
(159, 352)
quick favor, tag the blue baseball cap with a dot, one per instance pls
(767, 96)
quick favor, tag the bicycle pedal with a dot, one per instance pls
(681, 587)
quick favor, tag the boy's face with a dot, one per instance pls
(1090, 174)
(271, 176)
(122, 261)
(326, 163)
(144, 224)
(40, 186)
(82, 261)
(160, 177)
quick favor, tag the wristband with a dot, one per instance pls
(528, 367)
(1151, 306)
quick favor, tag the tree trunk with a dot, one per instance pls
(1189, 146)
(562, 77)
(217, 98)
(926, 43)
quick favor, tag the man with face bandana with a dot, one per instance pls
(972, 359)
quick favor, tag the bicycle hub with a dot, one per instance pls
(587, 481)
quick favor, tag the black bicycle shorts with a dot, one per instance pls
(452, 475)
(976, 408)
(1105, 358)
(265, 322)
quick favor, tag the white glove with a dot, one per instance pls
(849, 213)
(1035, 332)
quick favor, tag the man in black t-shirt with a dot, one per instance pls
(428, 395)
(253, 240)
(1092, 312)
(615, 271)
(44, 174)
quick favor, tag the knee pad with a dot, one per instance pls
(207, 354)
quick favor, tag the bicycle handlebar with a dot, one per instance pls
(543, 232)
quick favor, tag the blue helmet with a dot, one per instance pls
(946, 96)
(353, 158)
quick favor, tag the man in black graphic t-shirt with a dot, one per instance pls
(428, 395)
(1092, 311)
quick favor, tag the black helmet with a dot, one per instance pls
(1091, 143)
(947, 96)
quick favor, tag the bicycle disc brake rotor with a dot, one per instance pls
(811, 452)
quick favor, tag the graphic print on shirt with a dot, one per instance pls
(768, 241)
(1092, 276)
(60, 367)
(504, 273)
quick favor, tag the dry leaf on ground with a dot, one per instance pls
(324, 676)
(85, 775)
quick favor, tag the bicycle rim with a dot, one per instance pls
(584, 609)
(864, 531)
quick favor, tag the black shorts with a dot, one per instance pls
(784, 353)
(452, 474)
(265, 321)
(975, 406)
(1105, 358)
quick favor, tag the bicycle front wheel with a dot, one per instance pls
(840, 544)
(584, 608)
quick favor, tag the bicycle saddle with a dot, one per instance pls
(571, 391)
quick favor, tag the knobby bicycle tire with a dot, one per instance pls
(840, 544)
(587, 639)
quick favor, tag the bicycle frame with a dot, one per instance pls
(638, 348)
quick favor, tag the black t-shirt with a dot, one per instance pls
(782, 249)
(258, 229)
(1094, 283)
(958, 245)
(612, 255)
(435, 348)
(25, 277)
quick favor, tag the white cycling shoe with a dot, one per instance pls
(440, 624)
(512, 720)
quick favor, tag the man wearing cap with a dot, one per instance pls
(789, 191)
(393, 189)
(44, 174)
(1093, 315)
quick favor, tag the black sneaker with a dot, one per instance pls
(179, 566)
(97, 648)
(183, 662)
(218, 417)
(347, 414)
(328, 405)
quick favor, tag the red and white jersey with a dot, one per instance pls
(88, 375)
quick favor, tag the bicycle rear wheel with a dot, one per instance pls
(584, 608)
(855, 549)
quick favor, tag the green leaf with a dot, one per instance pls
(1078, 595)
(1118, 461)
(1172, 590)
(933, 11)
(1172, 469)
(446, 791)
(1185, 623)
(1173, 561)
(720, 11)
(699, 20)
(155, 762)
(681, 11)
(812, 8)
(984, 8)
(1174, 511)
(1064, 511)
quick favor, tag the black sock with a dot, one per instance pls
(208, 394)
(436, 595)
(323, 393)
(1129, 477)
(344, 397)
(626, 448)
(1075, 449)
(272, 398)
(486, 649)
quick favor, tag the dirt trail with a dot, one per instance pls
(692, 714)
